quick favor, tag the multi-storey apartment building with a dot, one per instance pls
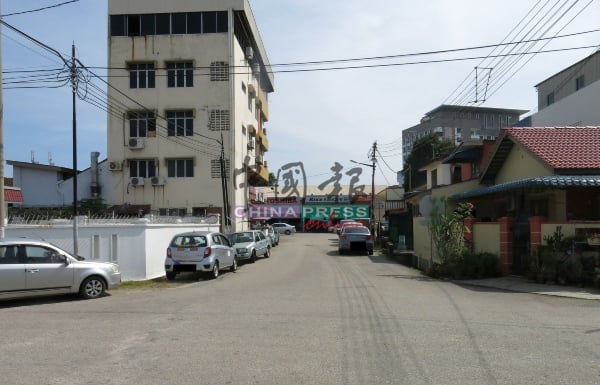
(459, 124)
(570, 97)
(188, 85)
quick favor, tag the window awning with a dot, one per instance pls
(557, 181)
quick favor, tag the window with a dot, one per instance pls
(142, 124)
(39, 254)
(250, 101)
(550, 98)
(180, 123)
(8, 255)
(144, 168)
(218, 120)
(215, 168)
(579, 83)
(169, 23)
(180, 74)
(180, 168)
(219, 72)
(141, 75)
(475, 169)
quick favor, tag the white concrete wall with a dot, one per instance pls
(140, 249)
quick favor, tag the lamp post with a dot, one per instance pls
(372, 190)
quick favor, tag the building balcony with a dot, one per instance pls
(264, 142)
(263, 103)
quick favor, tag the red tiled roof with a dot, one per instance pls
(13, 196)
(561, 147)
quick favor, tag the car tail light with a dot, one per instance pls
(169, 253)
(369, 236)
(343, 236)
(207, 252)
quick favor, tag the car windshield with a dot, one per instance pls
(241, 237)
(189, 241)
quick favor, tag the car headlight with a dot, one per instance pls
(115, 268)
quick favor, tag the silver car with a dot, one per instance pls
(284, 228)
(30, 268)
(200, 251)
(272, 235)
(250, 244)
(355, 239)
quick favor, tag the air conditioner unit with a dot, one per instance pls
(157, 181)
(249, 53)
(251, 144)
(265, 163)
(136, 143)
(259, 159)
(115, 166)
(137, 181)
(251, 88)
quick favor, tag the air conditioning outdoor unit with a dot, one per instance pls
(136, 143)
(265, 164)
(115, 166)
(137, 181)
(249, 53)
(157, 181)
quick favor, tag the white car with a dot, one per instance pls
(30, 268)
(200, 251)
(284, 228)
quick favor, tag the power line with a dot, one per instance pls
(39, 9)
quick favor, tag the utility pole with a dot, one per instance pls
(226, 219)
(75, 208)
(373, 159)
(2, 213)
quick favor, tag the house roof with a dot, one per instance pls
(564, 149)
(557, 181)
(12, 195)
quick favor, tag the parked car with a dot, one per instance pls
(31, 268)
(272, 235)
(284, 228)
(200, 251)
(356, 239)
(250, 245)
(348, 224)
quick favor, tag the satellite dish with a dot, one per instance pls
(425, 206)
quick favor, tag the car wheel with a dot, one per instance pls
(253, 256)
(287, 232)
(171, 276)
(92, 287)
(268, 252)
(234, 265)
(340, 251)
(214, 274)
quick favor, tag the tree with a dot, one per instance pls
(424, 150)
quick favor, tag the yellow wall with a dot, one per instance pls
(486, 237)
(422, 239)
(520, 164)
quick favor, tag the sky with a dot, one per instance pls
(322, 117)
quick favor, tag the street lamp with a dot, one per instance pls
(372, 190)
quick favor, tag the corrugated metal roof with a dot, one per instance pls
(540, 181)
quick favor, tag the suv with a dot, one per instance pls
(203, 251)
(31, 268)
(250, 244)
(284, 228)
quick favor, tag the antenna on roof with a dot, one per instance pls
(50, 159)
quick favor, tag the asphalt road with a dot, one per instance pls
(304, 316)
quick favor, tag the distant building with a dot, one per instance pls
(460, 123)
(51, 186)
(570, 97)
